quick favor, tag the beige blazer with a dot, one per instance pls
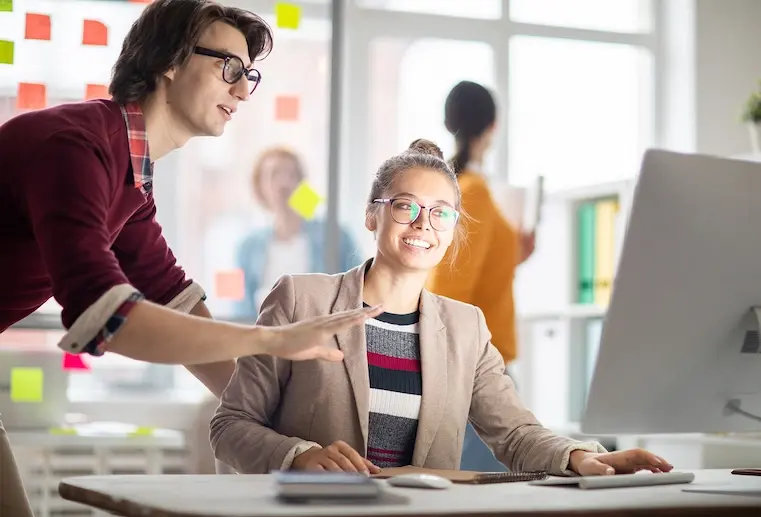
(273, 408)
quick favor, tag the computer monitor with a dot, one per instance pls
(680, 347)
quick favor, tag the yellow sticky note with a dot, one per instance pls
(142, 431)
(287, 16)
(6, 52)
(6, 5)
(304, 200)
(26, 384)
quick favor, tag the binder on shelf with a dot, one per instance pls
(586, 252)
(605, 229)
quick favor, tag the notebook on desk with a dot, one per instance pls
(465, 476)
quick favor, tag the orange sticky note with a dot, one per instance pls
(230, 285)
(31, 96)
(37, 26)
(287, 108)
(96, 91)
(94, 33)
(74, 362)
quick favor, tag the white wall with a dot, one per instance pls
(727, 69)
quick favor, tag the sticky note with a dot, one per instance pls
(94, 33)
(287, 16)
(96, 91)
(229, 285)
(142, 431)
(26, 384)
(6, 6)
(304, 200)
(286, 108)
(37, 26)
(6, 52)
(63, 431)
(31, 96)
(74, 362)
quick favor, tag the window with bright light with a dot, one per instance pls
(485, 9)
(602, 15)
(204, 192)
(580, 112)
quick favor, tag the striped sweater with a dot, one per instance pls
(396, 387)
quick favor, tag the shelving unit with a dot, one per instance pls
(559, 336)
(44, 459)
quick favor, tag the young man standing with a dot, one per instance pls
(78, 213)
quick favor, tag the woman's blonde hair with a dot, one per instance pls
(256, 175)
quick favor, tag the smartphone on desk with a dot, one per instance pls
(305, 486)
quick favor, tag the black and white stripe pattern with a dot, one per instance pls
(396, 387)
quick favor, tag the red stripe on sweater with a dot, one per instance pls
(393, 363)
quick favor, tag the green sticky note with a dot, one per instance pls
(6, 5)
(63, 431)
(6, 52)
(287, 16)
(142, 431)
(26, 384)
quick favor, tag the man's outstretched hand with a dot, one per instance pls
(308, 339)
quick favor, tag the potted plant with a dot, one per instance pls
(751, 116)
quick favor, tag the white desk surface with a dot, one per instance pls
(253, 496)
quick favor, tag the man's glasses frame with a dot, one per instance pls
(392, 201)
(233, 62)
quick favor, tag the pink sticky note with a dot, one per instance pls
(287, 108)
(230, 285)
(74, 362)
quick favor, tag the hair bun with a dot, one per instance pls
(423, 146)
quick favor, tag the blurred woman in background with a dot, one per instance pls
(291, 244)
(482, 274)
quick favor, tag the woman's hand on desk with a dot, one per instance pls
(336, 457)
(619, 462)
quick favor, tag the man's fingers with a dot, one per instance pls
(341, 319)
(328, 354)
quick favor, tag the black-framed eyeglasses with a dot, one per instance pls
(233, 68)
(407, 211)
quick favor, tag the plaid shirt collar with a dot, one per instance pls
(142, 168)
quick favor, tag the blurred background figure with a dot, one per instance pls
(290, 244)
(482, 273)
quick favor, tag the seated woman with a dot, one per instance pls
(412, 379)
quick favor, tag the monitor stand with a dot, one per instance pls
(751, 325)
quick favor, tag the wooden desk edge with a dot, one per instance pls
(127, 508)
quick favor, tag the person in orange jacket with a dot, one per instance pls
(482, 272)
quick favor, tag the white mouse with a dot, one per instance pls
(420, 481)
